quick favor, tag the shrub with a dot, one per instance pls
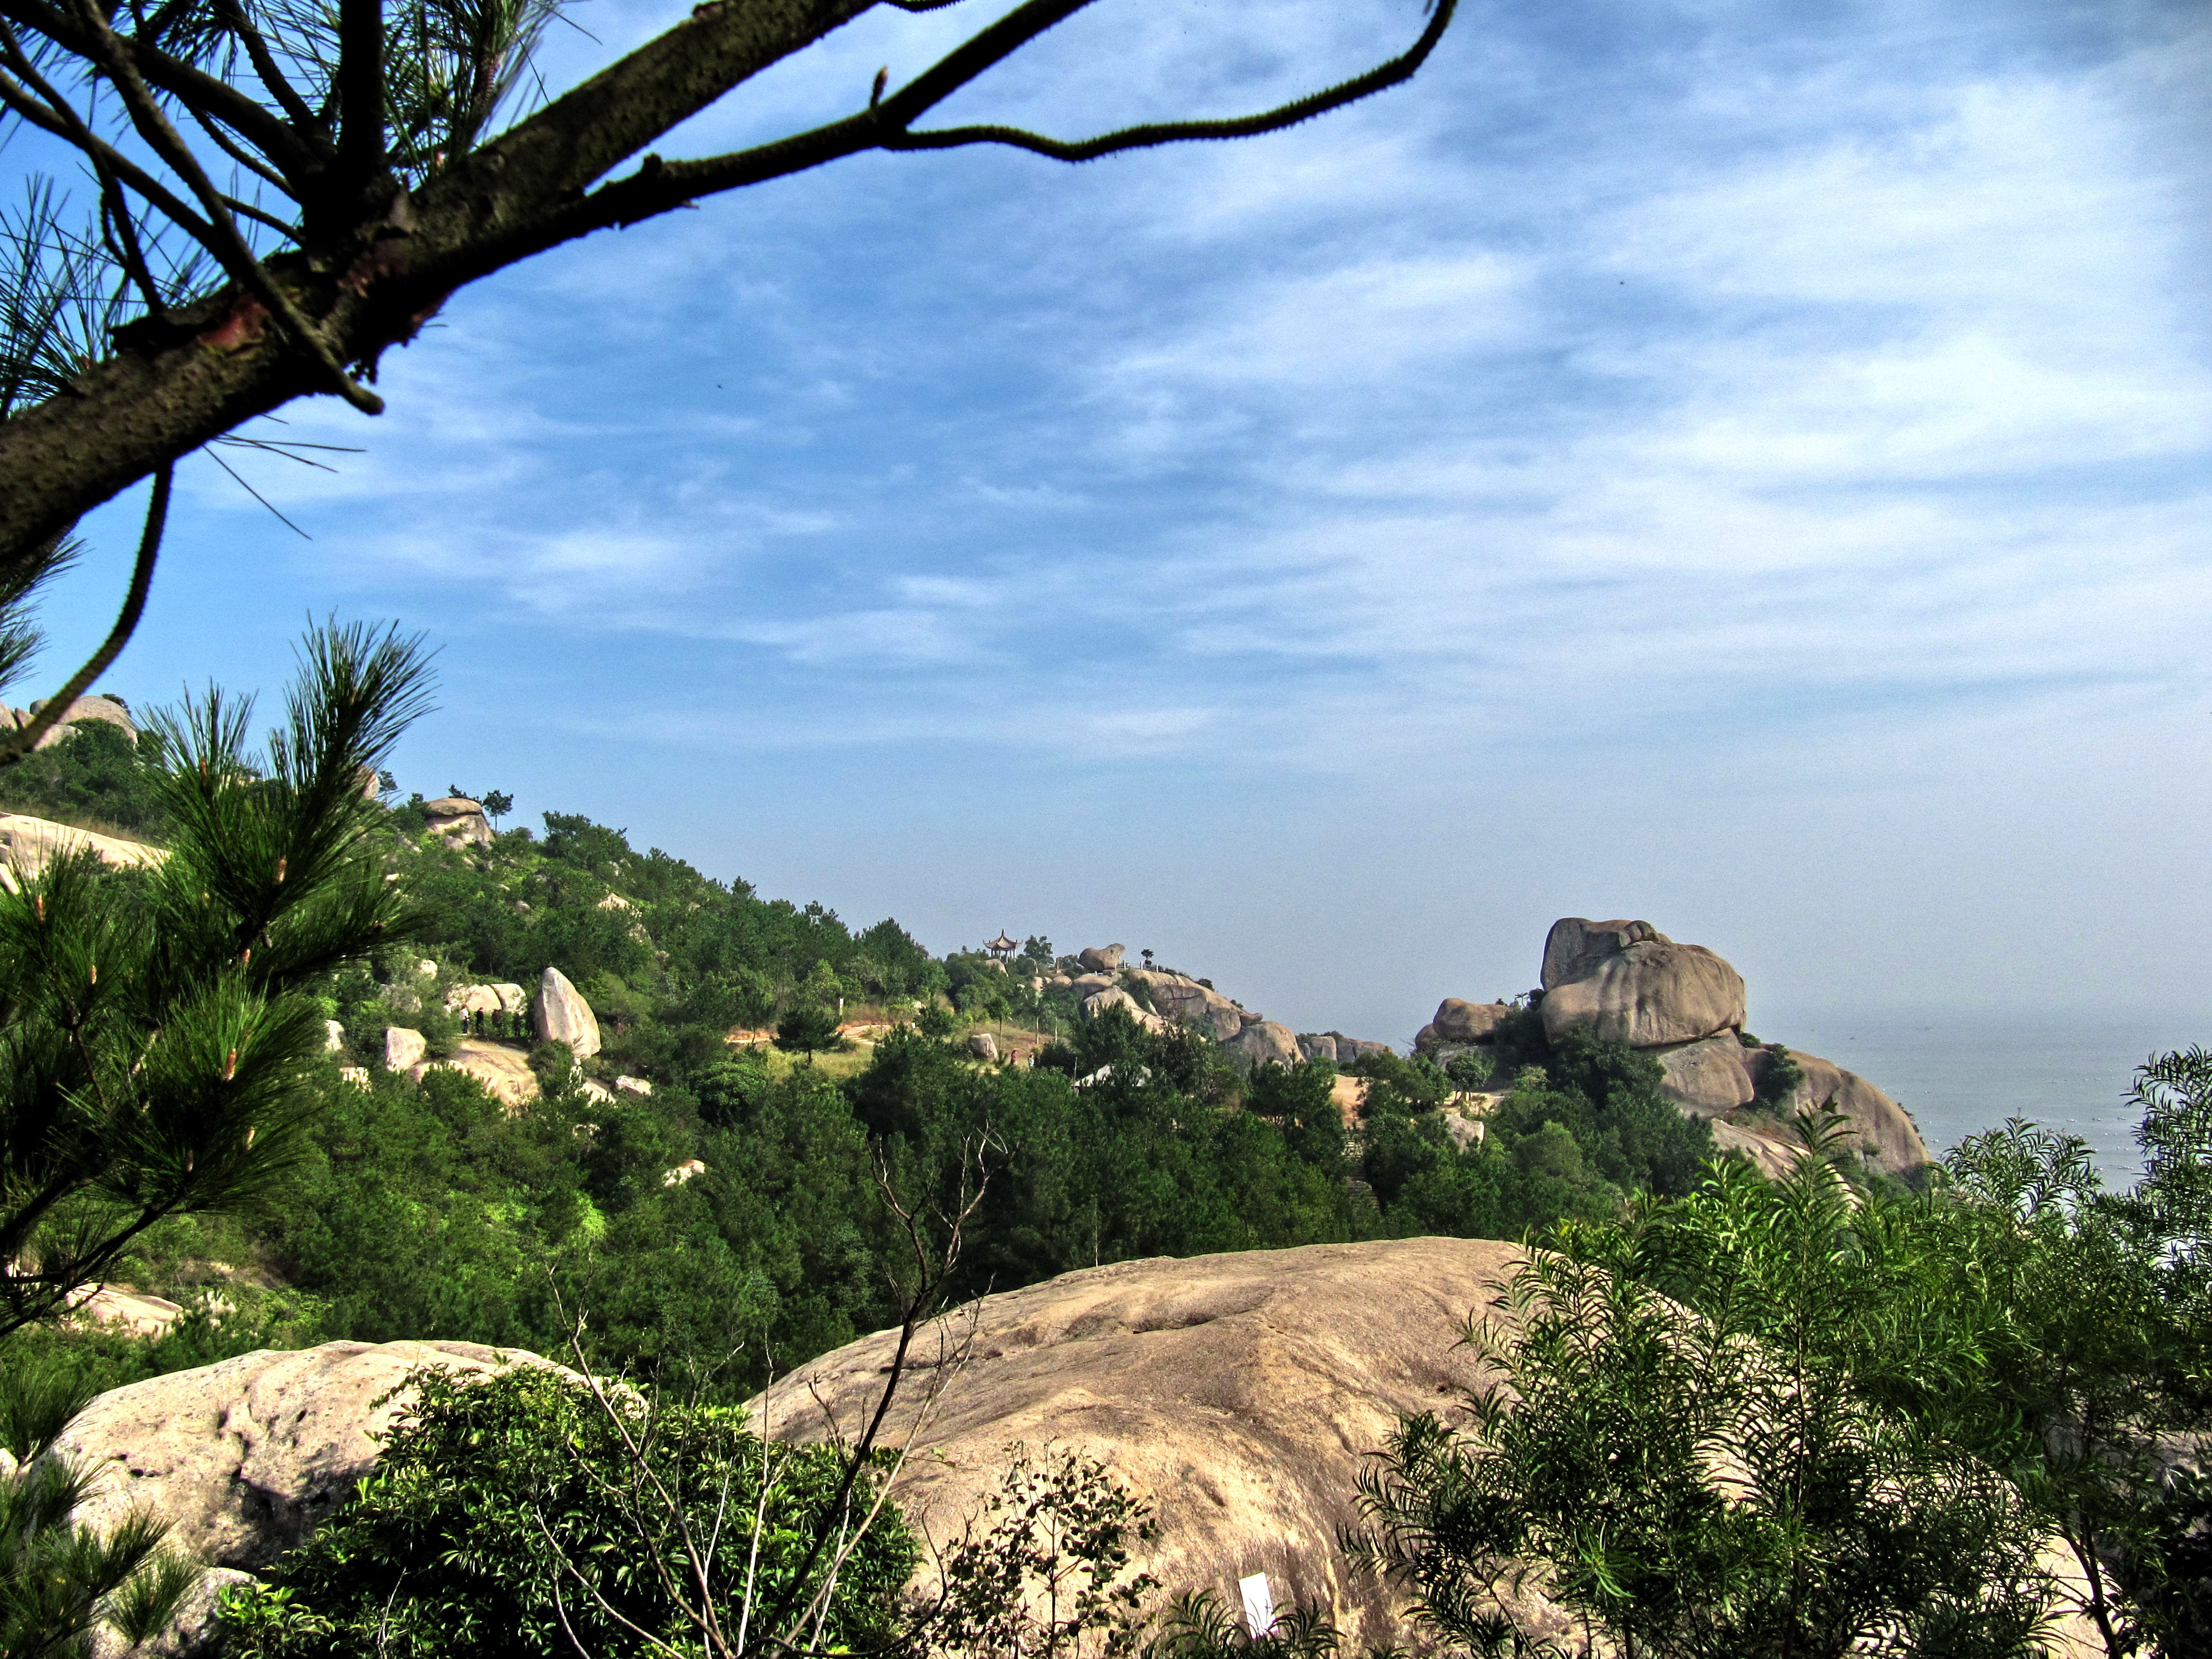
(806, 1030)
(510, 1515)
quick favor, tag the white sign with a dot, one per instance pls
(1259, 1605)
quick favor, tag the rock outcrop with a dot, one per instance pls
(402, 1047)
(1115, 997)
(982, 1045)
(1459, 1021)
(1264, 1042)
(1882, 1125)
(505, 1072)
(561, 1015)
(457, 818)
(1184, 1001)
(245, 1457)
(1238, 1395)
(1709, 1078)
(1101, 958)
(108, 711)
(29, 844)
(1628, 983)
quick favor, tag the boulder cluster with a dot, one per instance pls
(558, 1013)
(1157, 998)
(1626, 982)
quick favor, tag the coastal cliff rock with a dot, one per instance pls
(1630, 984)
(1235, 1393)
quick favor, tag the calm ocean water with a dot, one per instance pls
(1958, 1073)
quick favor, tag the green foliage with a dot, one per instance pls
(1047, 1572)
(63, 1584)
(1703, 1479)
(1779, 1078)
(1197, 1625)
(96, 778)
(806, 1030)
(515, 1513)
(156, 1025)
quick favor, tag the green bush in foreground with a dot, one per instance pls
(513, 1515)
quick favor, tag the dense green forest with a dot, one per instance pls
(429, 1209)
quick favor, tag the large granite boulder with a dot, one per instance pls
(561, 1015)
(1629, 984)
(983, 1045)
(1318, 1045)
(1101, 958)
(504, 1073)
(457, 818)
(1238, 1395)
(1265, 1042)
(1709, 1078)
(1187, 1002)
(245, 1457)
(403, 1047)
(1881, 1125)
(1462, 1021)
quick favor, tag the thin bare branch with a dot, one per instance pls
(1398, 71)
(233, 18)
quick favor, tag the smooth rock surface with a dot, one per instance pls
(472, 999)
(983, 1045)
(1459, 1021)
(505, 1072)
(561, 1015)
(402, 1047)
(1880, 1122)
(106, 710)
(1265, 1042)
(1187, 1002)
(1708, 1077)
(1235, 1393)
(1575, 943)
(1317, 1045)
(1648, 994)
(28, 844)
(1101, 958)
(244, 1458)
(1099, 1001)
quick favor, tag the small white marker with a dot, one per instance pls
(1259, 1605)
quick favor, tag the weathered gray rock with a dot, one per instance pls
(1265, 1042)
(983, 1045)
(1649, 993)
(1462, 1021)
(1238, 1395)
(334, 1037)
(1349, 1049)
(458, 818)
(1707, 1077)
(402, 1047)
(1187, 1002)
(505, 1072)
(245, 1457)
(561, 1015)
(1089, 985)
(1574, 944)
(1881, 1125)
(513, 999)
(1099, 1001)
(633, 1086)
(1101, 958)
(1317, 1045)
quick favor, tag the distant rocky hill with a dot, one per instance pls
(1683, 1005)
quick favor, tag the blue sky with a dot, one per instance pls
(1737, 465)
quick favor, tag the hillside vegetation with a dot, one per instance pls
(427, 1208)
